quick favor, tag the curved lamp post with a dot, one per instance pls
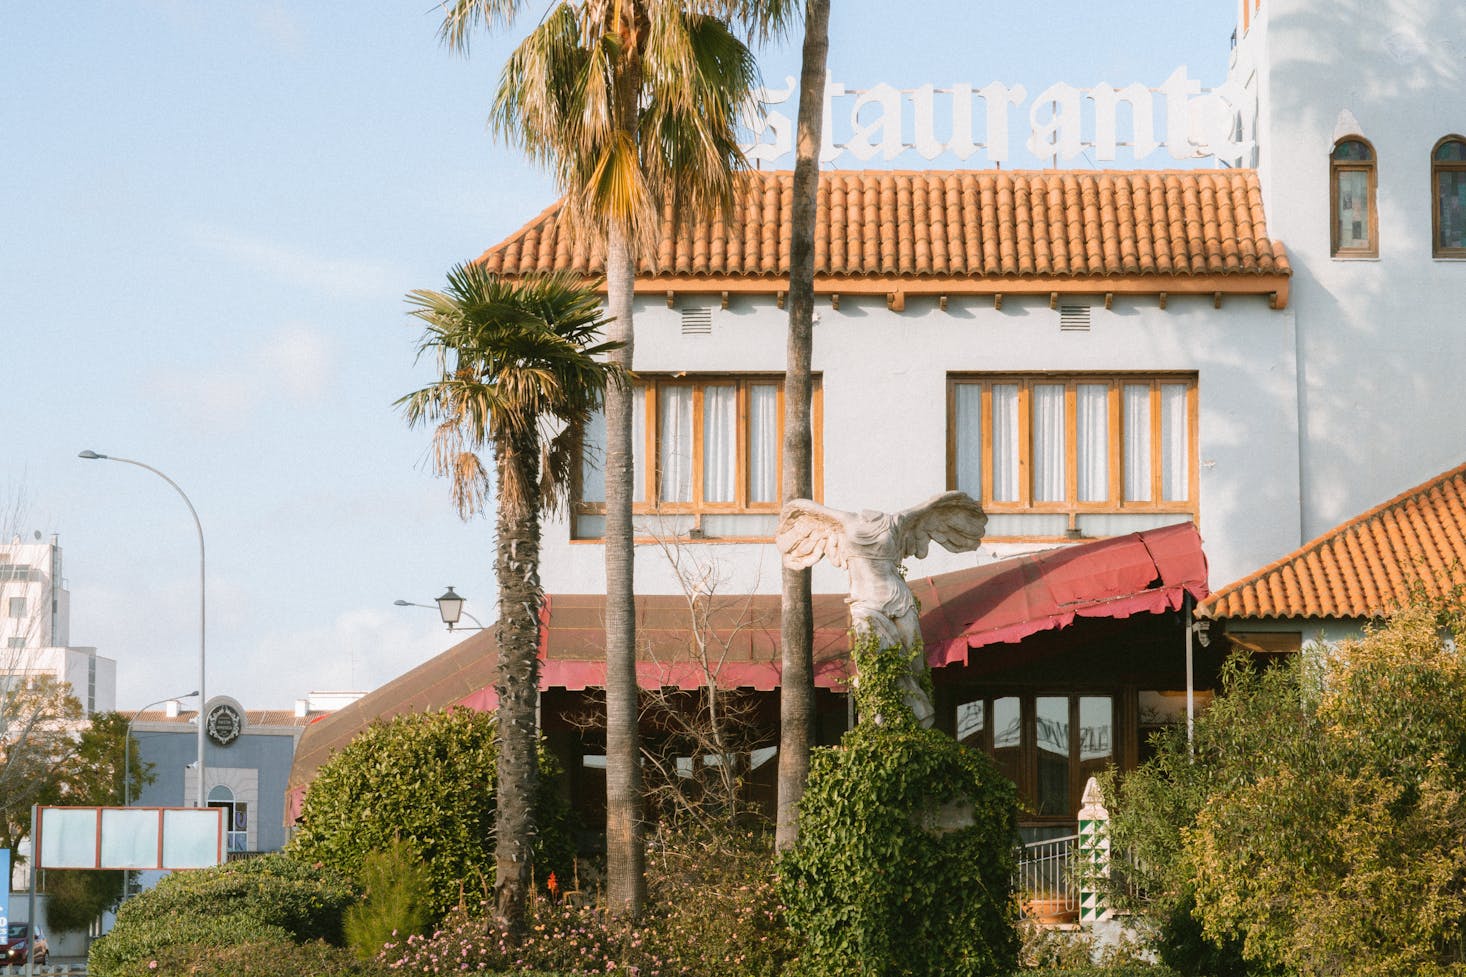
(127, 745)
(450, 609)
(203, 699)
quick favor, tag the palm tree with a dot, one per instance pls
(632, 105)
(521, 369)
(796, 619)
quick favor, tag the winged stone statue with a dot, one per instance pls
(870, 545)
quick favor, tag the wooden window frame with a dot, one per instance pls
(1115, 503)
(1438, 167)
(1369, 167)
(650, 386)
(1028, 749)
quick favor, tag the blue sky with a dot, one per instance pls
(209, 216)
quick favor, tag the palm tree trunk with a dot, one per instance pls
(796, 684)
(516, 568)
(625, 847)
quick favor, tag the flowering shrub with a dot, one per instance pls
(714, 912)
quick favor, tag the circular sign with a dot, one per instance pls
(224, 724)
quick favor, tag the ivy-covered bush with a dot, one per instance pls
(273, 898)
(905, 858)
(427, 779)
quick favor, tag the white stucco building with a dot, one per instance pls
(35, 626)
(1261, 350)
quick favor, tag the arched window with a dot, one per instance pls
(1352, 183)
(1448, 183)
(236, 817)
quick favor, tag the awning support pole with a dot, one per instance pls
(1190, 677)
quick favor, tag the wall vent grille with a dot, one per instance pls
(1074, 318)
(697, 321)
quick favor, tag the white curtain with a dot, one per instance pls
(1048, 442)
(1092, 403)
(1175, 444)
(1137, 442)
(674, 443)
(1005, 442)
(638, 443)
(593, 460)
(763, 442)
(720, 443)
(967, 438)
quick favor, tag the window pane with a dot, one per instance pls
(674, 437)
(1005, 442)
(1451, 152)
(1352, 151)
(1052, 738)
(763, 442)
(1096, 735)
(1450, 195)
(1137, 442)
(1048, 442)
(720, 443)
(1093, 431)
(970, 722)
(967, 438)
(1175, 444)
(1007, 735)
(593, 460)
(1353, 216)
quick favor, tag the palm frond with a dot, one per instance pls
(518, 361)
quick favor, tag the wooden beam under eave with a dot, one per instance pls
(725, 301)
(997, 301)
(1053, 300)
(1216, 300)
(835, 301)
(1109, 300)
(1163, 300)
(671, 299)
(896, 301)
(779, 299)
(942, 302)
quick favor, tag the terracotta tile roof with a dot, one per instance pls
(252, 717)
(967, 230)
(1366, 566)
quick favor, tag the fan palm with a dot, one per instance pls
(521, 369)
(632, 104)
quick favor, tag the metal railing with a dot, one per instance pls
(1045, 880)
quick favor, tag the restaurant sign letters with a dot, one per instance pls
(887, 122)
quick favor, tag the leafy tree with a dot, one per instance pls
(426, 780)
(521, 372)
(796, 620)
(632, 105)
(1327, 814)
(38, 747)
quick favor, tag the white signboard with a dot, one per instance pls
(1058, 124)
(130, 837)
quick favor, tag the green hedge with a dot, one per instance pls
(274, 899)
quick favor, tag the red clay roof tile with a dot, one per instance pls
(979, 228)
(1365, 567)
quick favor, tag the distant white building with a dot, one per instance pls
(35, 626)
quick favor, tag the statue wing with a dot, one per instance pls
(954, 519)
(809, 532)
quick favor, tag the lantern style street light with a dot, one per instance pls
(450, 609)
(199, 763)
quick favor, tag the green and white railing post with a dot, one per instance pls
(1093, 862)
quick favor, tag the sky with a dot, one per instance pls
(209, 216)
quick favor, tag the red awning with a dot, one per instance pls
(1146, 572)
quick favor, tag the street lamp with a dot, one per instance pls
(127, 745)
(203, 699)
(450, 609)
